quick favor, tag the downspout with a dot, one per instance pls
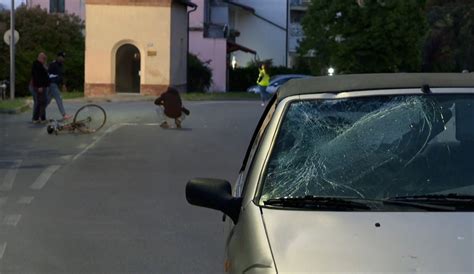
(193, 9)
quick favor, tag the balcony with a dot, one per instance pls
(296, 30)
(301, 5)
(296, 34)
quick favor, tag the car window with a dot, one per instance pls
(373, 147)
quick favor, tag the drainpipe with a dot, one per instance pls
(193, 9)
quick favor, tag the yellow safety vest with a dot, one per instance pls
(263, 78)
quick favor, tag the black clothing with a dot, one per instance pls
(56, 73)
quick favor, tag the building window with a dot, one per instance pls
(56, 6)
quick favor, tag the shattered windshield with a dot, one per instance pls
(373, 148)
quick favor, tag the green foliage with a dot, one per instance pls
(50, 33)
(199, 74)
(449, 47)
(240, 79)
(379, 36)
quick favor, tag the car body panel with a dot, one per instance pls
(344, 242)
(247, 244)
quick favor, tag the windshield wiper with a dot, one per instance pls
(347, 203)
(317, 202)
(459, 201)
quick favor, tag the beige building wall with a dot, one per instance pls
(149, 29)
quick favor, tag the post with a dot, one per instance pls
(12, 51)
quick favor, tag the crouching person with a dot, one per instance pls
(170, 108)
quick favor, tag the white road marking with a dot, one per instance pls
(9, 178)
(44, 177)
(3, 200)
(3, 247)
(12, 219)
(81, 146)
(25, 200)
(66, 157)
(109, 130)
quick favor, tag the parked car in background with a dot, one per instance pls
(354, 174)
(276, 81)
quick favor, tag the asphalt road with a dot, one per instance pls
(113, 202)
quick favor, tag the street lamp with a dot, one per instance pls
(331, 71)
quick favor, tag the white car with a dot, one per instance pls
(276, 81)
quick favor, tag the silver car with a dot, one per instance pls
(355, 174)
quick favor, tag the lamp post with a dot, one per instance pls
(12, 51)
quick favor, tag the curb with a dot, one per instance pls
(17, 110)
(109, 100)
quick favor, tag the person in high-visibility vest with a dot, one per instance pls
(263, 82)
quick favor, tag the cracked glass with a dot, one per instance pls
(373, 148)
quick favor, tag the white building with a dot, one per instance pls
(263, 27)
(237, 32)
(297, 10)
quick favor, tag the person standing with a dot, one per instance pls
(40, 83)
(263, 82)
(171, 108)
(56, 74)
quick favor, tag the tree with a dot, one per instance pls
(365, 36)
(200, 74)
(448, 47)
(50, 33)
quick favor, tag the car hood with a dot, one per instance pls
(341, 242)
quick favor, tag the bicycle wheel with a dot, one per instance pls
(89, 118)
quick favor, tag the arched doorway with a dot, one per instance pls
(127, 69)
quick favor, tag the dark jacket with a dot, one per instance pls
(39, 75)
(172, 103)
(56, 73)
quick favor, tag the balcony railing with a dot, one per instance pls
(296, 30)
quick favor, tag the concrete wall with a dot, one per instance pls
(214, 50)
(72, 6)
(76, 7)
(179, 45)
(146, 27)
(268, 40)
(42, 3)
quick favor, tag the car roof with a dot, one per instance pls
(359, 82)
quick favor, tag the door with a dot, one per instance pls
(127, 69)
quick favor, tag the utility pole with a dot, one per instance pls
(12, 51)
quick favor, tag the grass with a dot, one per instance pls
(219, 96)
(72, 95)
(10, 105)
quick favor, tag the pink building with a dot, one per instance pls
(60, 6)
(208, 49)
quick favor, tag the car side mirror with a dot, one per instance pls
(215, 194)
